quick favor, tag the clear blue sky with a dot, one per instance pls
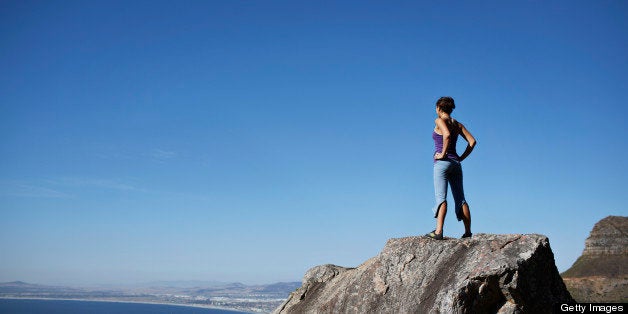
(251, 140)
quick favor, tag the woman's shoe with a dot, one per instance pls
(466, 235)
(434, 235)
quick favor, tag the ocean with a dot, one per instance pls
(25, 306)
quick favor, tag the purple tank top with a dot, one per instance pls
(451, 150)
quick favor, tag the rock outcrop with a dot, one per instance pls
(483, 274)
(600, 274)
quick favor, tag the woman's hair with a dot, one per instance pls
(446, 104)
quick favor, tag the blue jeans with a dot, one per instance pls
(448, 171)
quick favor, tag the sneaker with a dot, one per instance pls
(434, 235)
(466, 235)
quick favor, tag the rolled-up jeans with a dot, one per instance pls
(448, 171)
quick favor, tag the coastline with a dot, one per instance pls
(212, 307)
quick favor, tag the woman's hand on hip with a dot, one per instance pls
(438, 156)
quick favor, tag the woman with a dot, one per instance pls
(447, 168)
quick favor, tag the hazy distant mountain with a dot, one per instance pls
(23, 287)
(280, 287)
(184, 284)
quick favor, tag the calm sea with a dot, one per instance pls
(22, 306)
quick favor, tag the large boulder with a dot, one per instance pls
(600, 274)
(484, 274)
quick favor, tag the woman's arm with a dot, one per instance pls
(442, 127)
(470, 141)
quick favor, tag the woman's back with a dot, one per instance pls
(453, 131)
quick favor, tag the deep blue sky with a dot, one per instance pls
(251, 140)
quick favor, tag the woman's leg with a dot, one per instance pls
(466, 218)
(440, 192)
(440, 219)
(457, 190)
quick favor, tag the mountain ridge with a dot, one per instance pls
(600, 274)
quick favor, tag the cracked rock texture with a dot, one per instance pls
(485, 274)
(600, 274)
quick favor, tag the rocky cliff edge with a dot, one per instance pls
(485, 274)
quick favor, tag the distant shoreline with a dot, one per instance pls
(212, 307)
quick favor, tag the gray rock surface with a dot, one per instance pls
(485, 274)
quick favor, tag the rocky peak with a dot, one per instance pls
(608, 237)
(600, 274)
(487, 273)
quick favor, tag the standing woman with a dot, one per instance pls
(447, 168)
